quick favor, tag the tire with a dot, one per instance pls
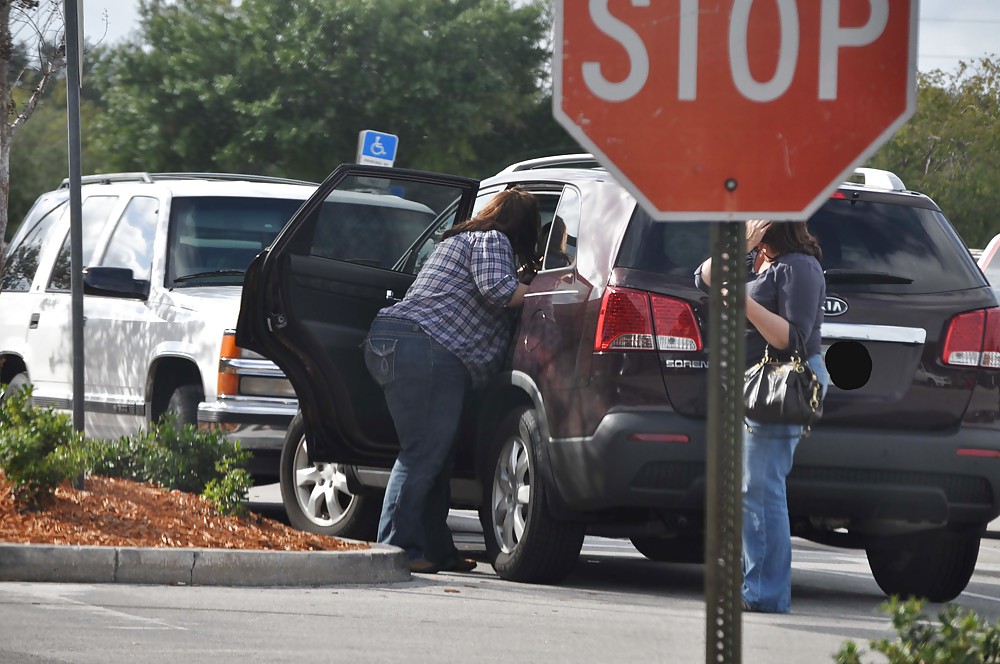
(935, 565)
(686, 548)
(523, 541)
(18, 382)
(316, 497)
(183, 404)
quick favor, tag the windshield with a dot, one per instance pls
(214, 239)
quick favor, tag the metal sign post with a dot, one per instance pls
(73, 64)
(724, 504)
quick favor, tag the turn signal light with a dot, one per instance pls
(229, 382)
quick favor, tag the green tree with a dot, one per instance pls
(39, 154)
(284, 87)
(950, 148)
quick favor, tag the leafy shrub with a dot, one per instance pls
(189, 458)
(960, 637)
(228, 491)
(126, 457)
(185, 458)
(38, 449)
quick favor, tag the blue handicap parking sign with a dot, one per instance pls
(375, 147)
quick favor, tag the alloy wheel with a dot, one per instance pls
(320, 489)
(511, 496)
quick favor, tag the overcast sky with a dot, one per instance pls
(950, 30)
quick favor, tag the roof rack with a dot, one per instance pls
(579, 160)
(876, 178)
(108, 178)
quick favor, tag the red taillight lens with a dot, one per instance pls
(625, 322)
(991, 340)
(973, 340)
(674, 323)
(636, 320)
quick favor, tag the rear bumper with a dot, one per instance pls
(258, 424)
(861, 475)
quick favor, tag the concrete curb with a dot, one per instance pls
(201, 567)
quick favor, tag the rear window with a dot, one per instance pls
(876, 246)
(21, 260)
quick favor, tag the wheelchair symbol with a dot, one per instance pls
(377, 149)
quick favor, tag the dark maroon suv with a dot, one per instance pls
(597, 424)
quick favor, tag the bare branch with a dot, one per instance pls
(49, 70)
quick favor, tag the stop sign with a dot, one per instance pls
(733, 109)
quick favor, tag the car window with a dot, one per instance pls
(216, 237)
(992, 267)
(877, 246)
(444, 223)
(993, 272)
(913, 245)
(94, 212)
(548, 201)
(561, 232)
(668, 248)
(373, 221)
(21, 260)
(131, 244)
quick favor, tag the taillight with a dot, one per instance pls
(973, 340)
(625, 322)
(674, 323)
(991, 340)
(636, 320)
(229, 381)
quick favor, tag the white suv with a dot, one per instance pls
(164, 258)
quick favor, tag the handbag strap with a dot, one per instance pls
(797, 346)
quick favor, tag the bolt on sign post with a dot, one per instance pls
(728, 110)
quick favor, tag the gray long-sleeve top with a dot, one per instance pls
(794, 288)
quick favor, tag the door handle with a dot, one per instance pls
(390, 296)
(33, 325)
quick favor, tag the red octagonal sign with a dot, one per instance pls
(733, 109)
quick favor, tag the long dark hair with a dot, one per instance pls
(788, 237)
(513, 212)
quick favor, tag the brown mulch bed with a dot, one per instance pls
(116, 512)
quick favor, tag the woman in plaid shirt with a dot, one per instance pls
(450, 332)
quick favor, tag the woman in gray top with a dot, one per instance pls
(785, 292)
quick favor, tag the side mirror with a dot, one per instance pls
(114, 282)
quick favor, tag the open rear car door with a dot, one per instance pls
(310, 298)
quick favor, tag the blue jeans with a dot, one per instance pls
(768, 450)
(424, 385)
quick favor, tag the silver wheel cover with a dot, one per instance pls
(320, 489)
(511, 496)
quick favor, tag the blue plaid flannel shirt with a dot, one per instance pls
(459, 299)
